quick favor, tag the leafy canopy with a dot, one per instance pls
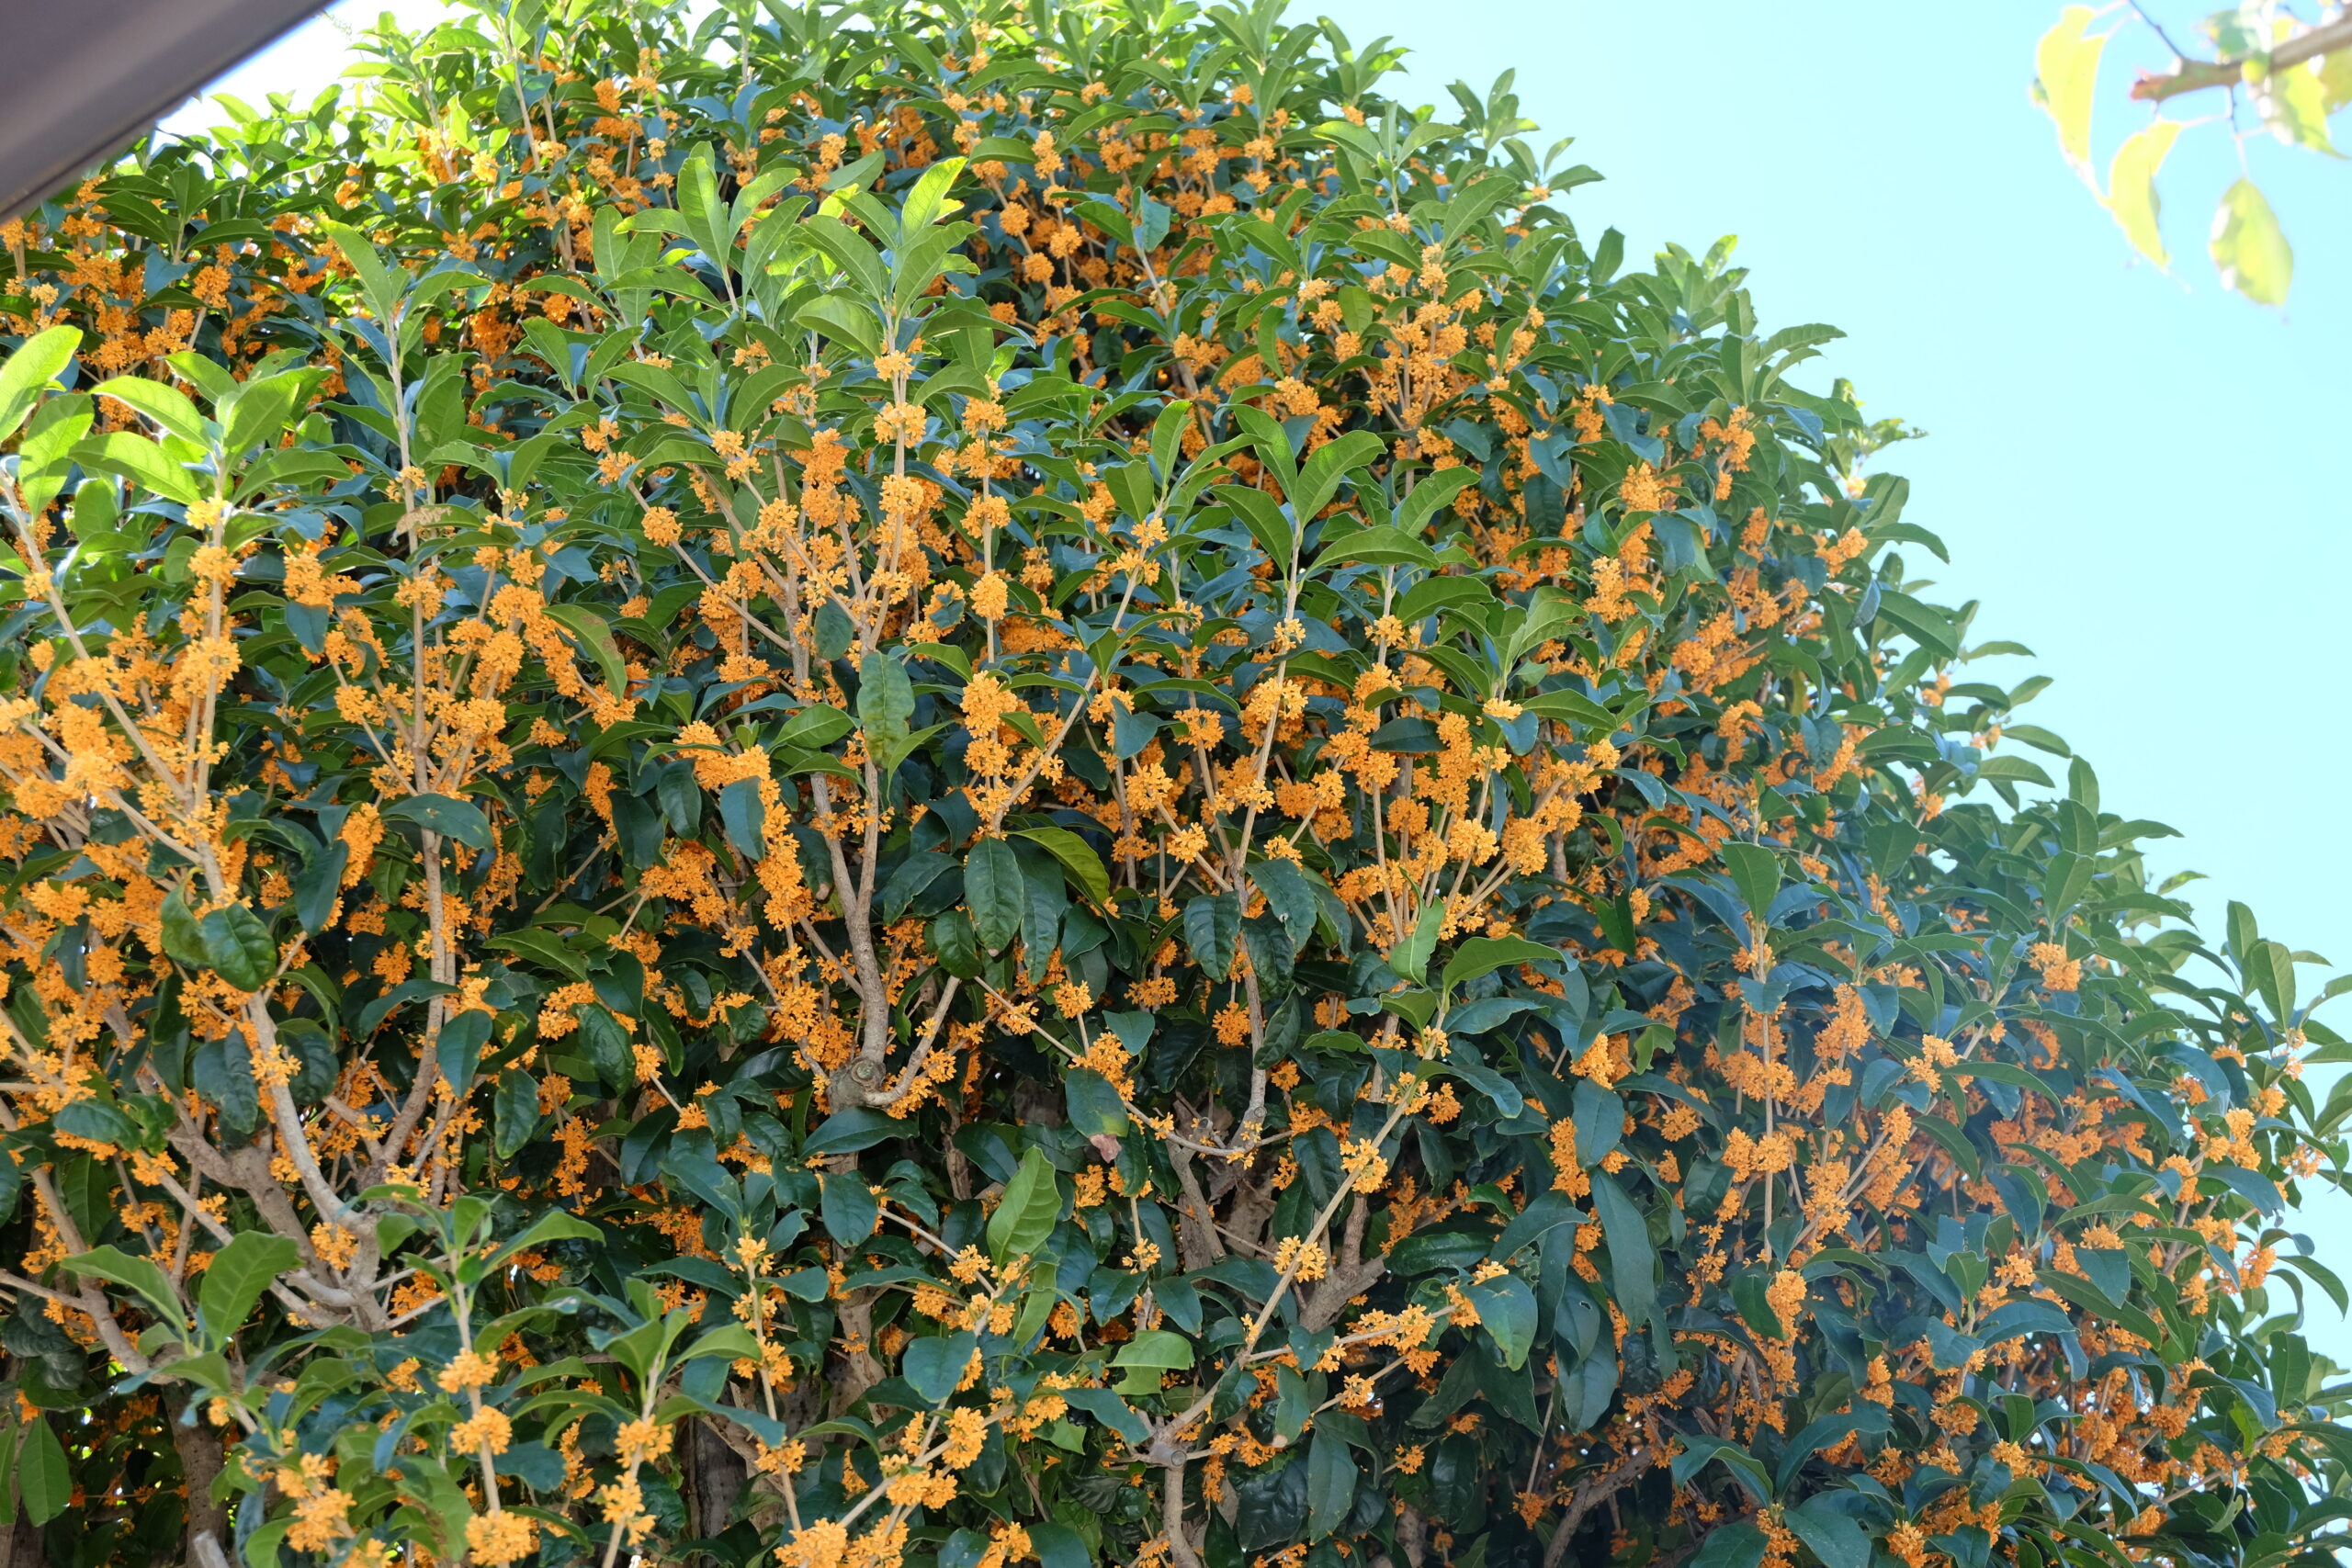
(932, 787)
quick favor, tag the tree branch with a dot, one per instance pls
(2195, 75)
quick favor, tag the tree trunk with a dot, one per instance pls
(198, 1447)
(715, 1475)
(21, 1546)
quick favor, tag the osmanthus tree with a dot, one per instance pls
(932, 787)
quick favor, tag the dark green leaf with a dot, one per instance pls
(933, 1364)
(1026, 1215)
(41, 1476)
(1330, 1484)
(1212, 929)
(238, 1275)
(445, 815)
(994, 891)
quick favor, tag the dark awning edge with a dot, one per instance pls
(106, 71)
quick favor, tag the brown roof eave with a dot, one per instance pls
(80, 80)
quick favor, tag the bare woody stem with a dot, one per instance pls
(2196, 75)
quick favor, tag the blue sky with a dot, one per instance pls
(2138, 475)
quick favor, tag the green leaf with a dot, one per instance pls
(379, 286)
(731, 1340)
(45, 461)
(744, 814)
(1834, 1538)
(1319, 477)
(1600, 1116)
(1698, 1451)
(1212, 929)
(1483, 956)
(445, 815)
(2131, 188)
(541, 946)
(955, 944)
(1431, 595)
(2270, 969)
(2009, 1321)
(317, 883)
(1506, 1310)
(231, 941)
(926, 203)
(2248, 248)
(851, 254)
(263, 411)
(844, 320)
(1271, 955)
(552, 1226)
(183, 942)
(1739, 1545)
(1379, 544)
(1461, 1064)
(994, 891)
(1551, 614)
(596, 638)
(1750, 1294)
(97, 1120)
(849, 1208)
(1156, 1348)
(815, 726)
(1546, 1213)
(2066, 82)
(1078, 858)
(457, 1048)
(1431, 492)
(29, 370)
(236, 1278)
(1112, 1411)
(135, 1274)
(1096, 1108)
(886, 700)
(1330, 1484)
(1756, 872)
(1410, 957)
(1167, 435)
(933, 1364)
(516, 1111)
(1263, 516)
(604, 1044)
(849, 1130)
(139, 460)
(239, 947)
(2293, 102)
(1058, 1546)
(41, 1476)
(167, 406)
(1026, 1215)
(1633, 1261)
(1827, 1432)
(2016, 770)
(1290, 893)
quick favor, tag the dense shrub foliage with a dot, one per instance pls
(897, 786)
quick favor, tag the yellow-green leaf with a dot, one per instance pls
(2067, 65)
(594, 636)
(2250, 252)
(27, 373)
(2131, 186)
(2295, 105)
